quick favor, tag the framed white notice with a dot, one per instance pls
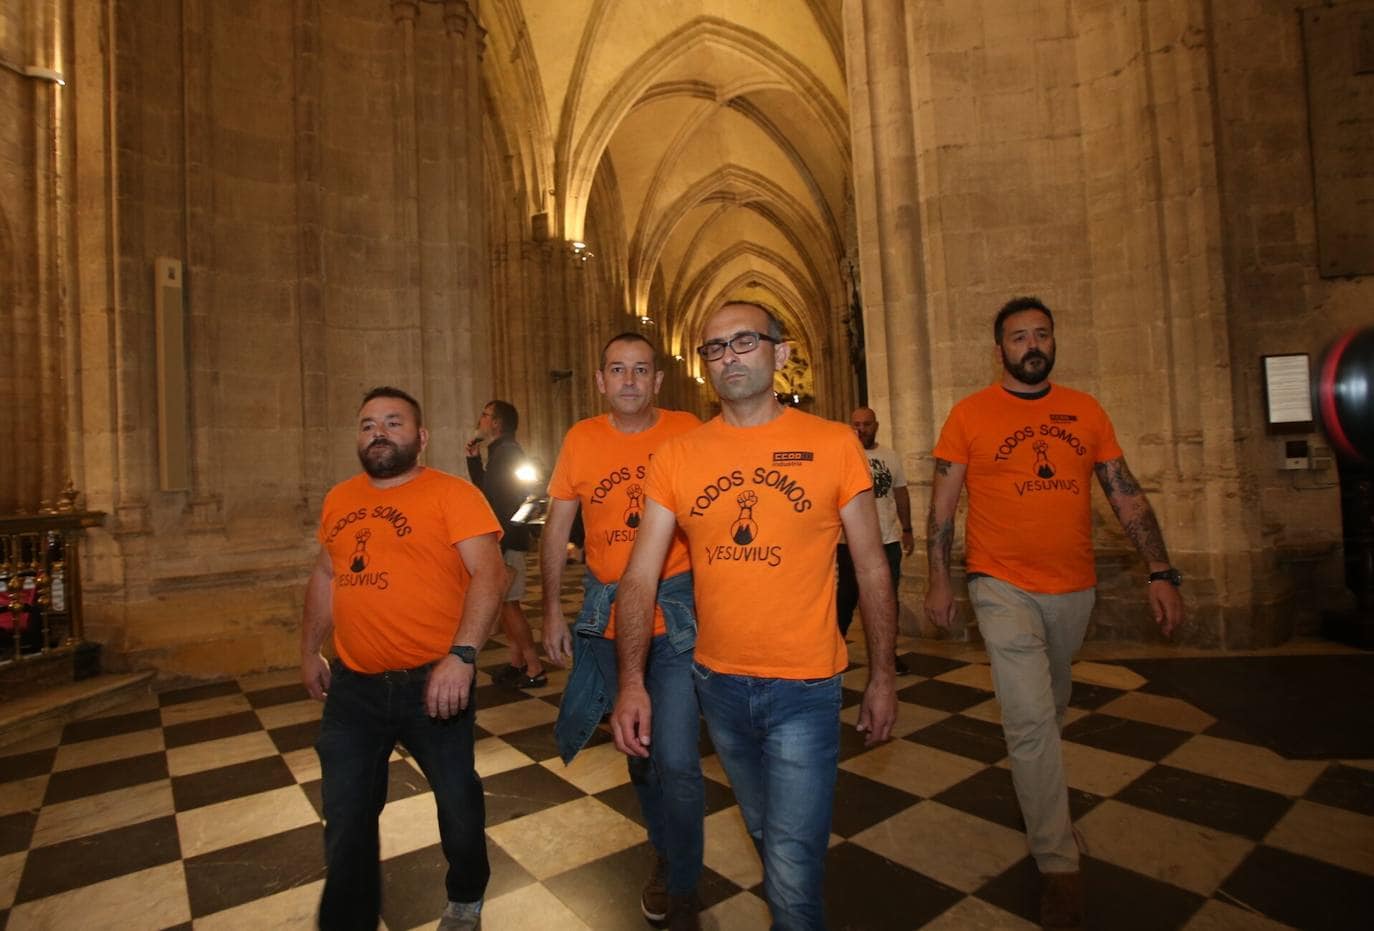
(1288, 391)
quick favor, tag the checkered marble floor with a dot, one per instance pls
(199, 808)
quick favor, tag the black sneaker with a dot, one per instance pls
(530, 682)
(507, 675)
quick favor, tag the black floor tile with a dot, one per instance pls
(851, 742)
(277, 695)
(861, 803)
(1116, 899)
(295, 736)
(111, 726)
(1132, 738)
(860, 888)
(519, 792)
(1091, 697)
(194, 732)
(1345, 787)
(538, 742)
(413, 890)
(1215, 803)
(924, 664)
(1301, 892)
(970, 737)
(850, 697)
(26, 765)
(493, 696)
(945, 696)
(224, 878)
(219, 785)
(16, 831)
(98, 857)
(198, 693)
(605, 893)
(989, 794)
(105, 777)
(625, 800)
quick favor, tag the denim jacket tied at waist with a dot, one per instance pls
(592, 686)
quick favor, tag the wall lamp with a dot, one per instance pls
(35, 72)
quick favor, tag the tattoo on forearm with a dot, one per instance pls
(939, 541)
(942, 466)
(1143, 530)
(1116, 479)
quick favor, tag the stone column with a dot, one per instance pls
(887, 202)
(310, 260)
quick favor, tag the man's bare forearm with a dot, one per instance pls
(1132, 509)
(317, 619)
(878, 607)
(553, 553)
(634, 627)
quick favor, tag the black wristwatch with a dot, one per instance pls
(466, 654)
(1170, 575)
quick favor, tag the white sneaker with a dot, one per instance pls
(461, 916)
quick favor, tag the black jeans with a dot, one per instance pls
(847, 588)
(364, 717)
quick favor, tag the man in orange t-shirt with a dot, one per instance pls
(409, 581)
(762, 492)
(602, 467)
(1028, 451)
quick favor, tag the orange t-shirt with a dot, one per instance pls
(1030, 476)
(399, 583)
(761, 509)
(604, 469)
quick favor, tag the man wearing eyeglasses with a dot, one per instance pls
(762, 492)
(601, 467)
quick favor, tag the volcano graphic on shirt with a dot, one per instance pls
(744, 530)
(358, 561)
(635, 511)
(1042, 466)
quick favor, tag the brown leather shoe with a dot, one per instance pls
(1061, 900)
(654, 901)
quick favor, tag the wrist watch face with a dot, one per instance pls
(1172, 576)
(466, 654)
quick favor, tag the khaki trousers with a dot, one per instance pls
(1031, 640)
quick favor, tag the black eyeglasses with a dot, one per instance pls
(739, 344)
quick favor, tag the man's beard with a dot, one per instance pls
(743, 389)
(385, 459)
(1026, 375)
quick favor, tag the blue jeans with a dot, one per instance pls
(668, 783)
(364, 717)
(779, 741)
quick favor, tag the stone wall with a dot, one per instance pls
(1144, 169)
(308, 164)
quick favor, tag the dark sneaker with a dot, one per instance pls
(461, 916)
(684, 914)
(654, 901)
(507, 675)
(1061, 900)
(530, 682)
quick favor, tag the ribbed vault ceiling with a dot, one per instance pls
(722, 127)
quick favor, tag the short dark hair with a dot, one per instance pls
(1015, 306)
(774, 323)
(629, 336)
(505, 413)
(386, 391)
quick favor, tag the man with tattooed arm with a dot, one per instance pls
(1027, 450)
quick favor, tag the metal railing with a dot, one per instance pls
(40, 582)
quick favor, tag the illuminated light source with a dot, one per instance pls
(526, 472)
(677, 357)
(36, 72)
(578, 245)
(701, 380)
(646, 320)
